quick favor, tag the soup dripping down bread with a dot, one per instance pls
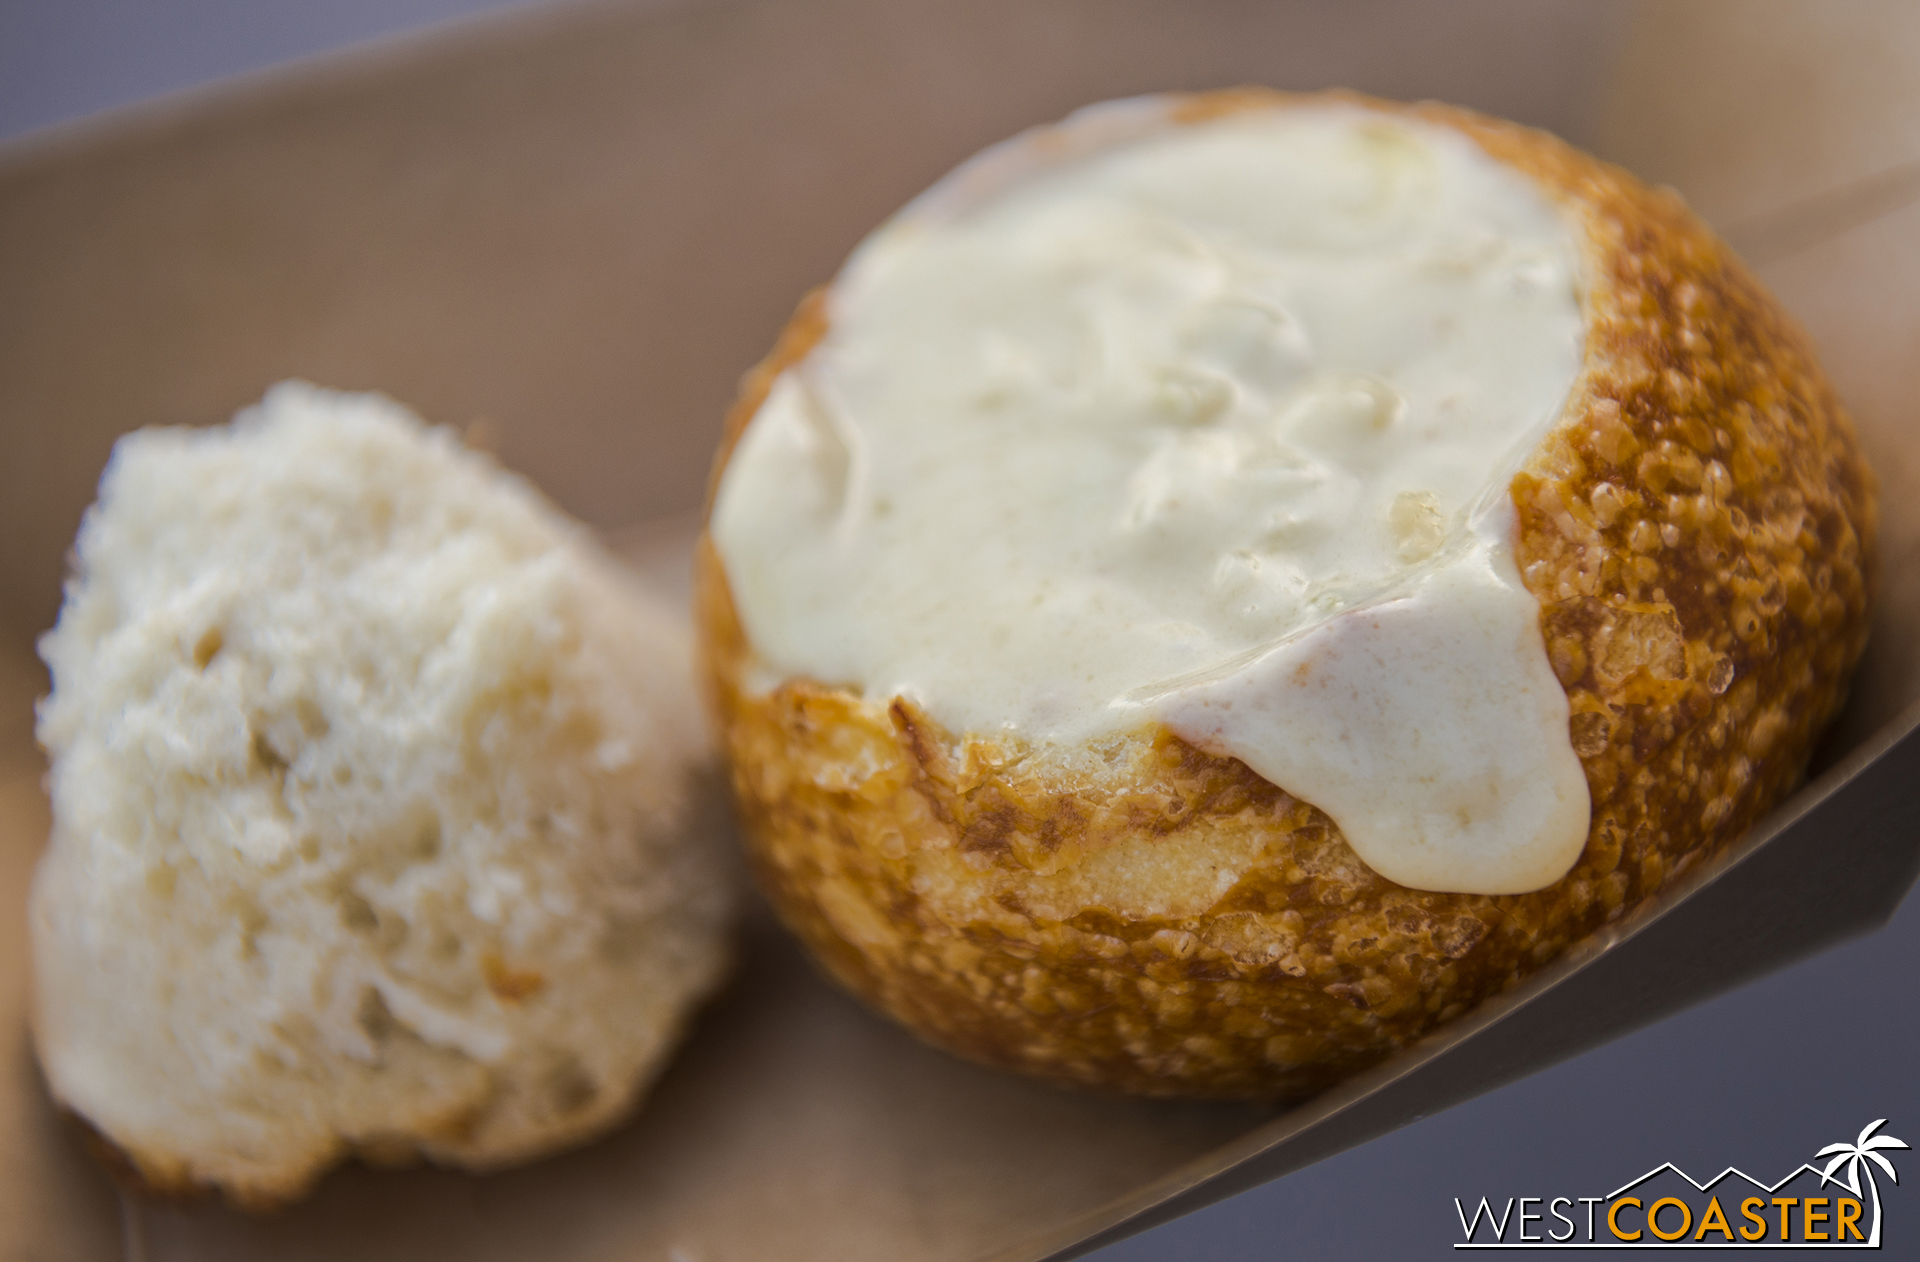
(1220, 586)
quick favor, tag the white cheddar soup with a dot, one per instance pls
(1132, 421)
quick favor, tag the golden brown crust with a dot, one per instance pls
(128, 1174)
(158, 1176)
(1699, 532)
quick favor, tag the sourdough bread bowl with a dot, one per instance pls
(1132, 906)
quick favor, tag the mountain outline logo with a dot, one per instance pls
(1628, 1222)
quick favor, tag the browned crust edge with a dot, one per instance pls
(1699, 531)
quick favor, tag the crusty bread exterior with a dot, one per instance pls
(1698, 530)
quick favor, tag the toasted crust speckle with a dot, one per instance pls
(1148, 918)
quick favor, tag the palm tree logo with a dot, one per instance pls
(1856, 1156)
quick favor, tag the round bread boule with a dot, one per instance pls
(1697, 528)
(376, 789)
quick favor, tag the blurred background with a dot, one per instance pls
(757, 141)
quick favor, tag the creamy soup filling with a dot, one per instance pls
(1206, 424)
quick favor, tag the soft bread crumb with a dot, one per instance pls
(377, 792)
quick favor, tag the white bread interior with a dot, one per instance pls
(378, 800)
